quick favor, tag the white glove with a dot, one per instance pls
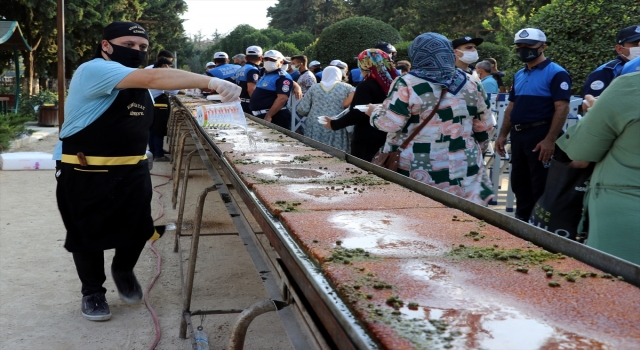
(323, 120)
(227, 90)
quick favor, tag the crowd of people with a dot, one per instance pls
(438, 100)
(448, 152)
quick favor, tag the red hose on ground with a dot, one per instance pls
(156, 322)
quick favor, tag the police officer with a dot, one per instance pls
(538, 108)
(104, 186)
(223, 69)
(248, 75)
(388, 48)
(239, 59)
(316, 68)
(355, 76)
(626, 41)
(269, 99)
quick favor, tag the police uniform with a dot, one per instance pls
(267, 90)
(355, 77)
(632, 66)
(599, 79)
(225, 71)
(249, 73)
(533, 95)
(295, 75)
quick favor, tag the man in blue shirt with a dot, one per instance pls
(538, 108)
(223, 70)
(627, 48)
(103, 182)
(269, 99)
(488, 82)
(316, 68)
(248, 75)
(632, 66)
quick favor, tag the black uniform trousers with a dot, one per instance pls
(281, 119)
(528, 174)
(90, 266)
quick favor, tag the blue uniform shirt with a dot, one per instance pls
(535, 91)
(91, 93)
(225, 71)
(632, 66)
(249, 73)
(356, 75)
(295, 75)
(319, 76)
(599, 79)
(269, 87)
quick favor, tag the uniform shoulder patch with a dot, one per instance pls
(564, 85)
(597, 85)
(286, 82)
(256, 77)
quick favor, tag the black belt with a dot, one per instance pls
(520, 127)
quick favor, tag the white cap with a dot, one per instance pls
(314, 63)
(338, 63)
(530, 36)
(220, 55)
(274, 54)
(254, 50)
(209, 64)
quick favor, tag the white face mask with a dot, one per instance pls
(295, 67)
(285, 67)
(634, 52)
(270, 66)
(469, 57)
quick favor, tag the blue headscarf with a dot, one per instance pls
(433, 60)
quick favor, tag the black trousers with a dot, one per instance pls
(281, 119)
(90, 266)
(528, 174)
(246, 107)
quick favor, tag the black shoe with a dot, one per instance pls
(166, 152)
(95, 307)
(161, 159)
(128, 287)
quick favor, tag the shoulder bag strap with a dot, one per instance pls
(424, 123)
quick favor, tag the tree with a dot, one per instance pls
(582, 32)
(311, 15)
(300, 39)
(346, 39)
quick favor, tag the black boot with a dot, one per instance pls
(128, 287)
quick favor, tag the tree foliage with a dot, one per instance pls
(84, 22)
(310, 15)
(582, 32)
(346, 39)
(287, 49)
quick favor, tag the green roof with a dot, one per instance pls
(11, 36)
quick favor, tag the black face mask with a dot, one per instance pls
(127, 57)
(528, 54)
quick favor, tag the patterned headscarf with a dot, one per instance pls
(433, 60)
(378, 64)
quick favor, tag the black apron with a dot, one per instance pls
(107, 204)
(161, 112)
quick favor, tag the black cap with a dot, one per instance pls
(628, 35)
(119, 29)
(465, 40)
(386, 47)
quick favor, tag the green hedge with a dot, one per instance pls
(582, 32)
(505, 56)
(403, 51)
(287, 49)
(346, 39)
(27, 104)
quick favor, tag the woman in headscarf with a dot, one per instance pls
(378, 72)
(447, 152)
(328, 98)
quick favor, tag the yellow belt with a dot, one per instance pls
(92, 160)
(160, 105)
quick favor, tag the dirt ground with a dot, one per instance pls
(40, 291)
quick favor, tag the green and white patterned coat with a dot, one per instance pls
(447, 153)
